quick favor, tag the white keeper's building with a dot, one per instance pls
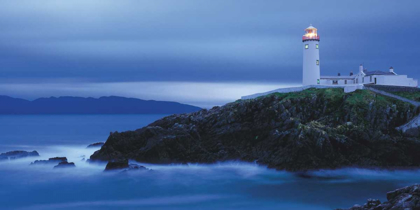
(312, 78)
(312, 72)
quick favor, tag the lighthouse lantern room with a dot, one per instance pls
(311, 63)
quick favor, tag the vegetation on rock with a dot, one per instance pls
(412, 96)
(311, 129)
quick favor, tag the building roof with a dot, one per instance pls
(311, 27)
(369, 73)
(339, 77)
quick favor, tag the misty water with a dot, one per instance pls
(229, 185)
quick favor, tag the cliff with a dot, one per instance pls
(312, 129)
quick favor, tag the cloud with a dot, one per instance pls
(220, 41)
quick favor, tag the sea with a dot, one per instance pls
(224, 185)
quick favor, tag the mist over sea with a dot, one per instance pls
(228, 185)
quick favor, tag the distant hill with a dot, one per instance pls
(102, 105)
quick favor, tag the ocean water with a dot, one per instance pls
(227, 185)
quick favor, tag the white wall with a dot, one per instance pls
(396, 80)
(340, 82)
(311, 71)
(326, 82)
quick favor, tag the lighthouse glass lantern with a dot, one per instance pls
(311, 33)
(311, 61)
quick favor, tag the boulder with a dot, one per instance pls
(65, 165)
(117, 164)
(404, 198)
(17, 154)
(123, 164)
(95, 145)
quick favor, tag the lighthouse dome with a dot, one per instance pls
(310, 27)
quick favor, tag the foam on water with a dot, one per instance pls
(233, 185)
(227, 185)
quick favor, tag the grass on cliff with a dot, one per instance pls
(330, 93)
(366, 97)
(360, 106)
(412, 96)
(358, 97)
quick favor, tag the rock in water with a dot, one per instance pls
(312, 129)
(97, 144)
(65, 165)
(17, 154)
(404, 198)
(117, 164)
(123, 164)
(54, 160)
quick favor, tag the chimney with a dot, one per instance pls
(351, 73)
(339, 74)
(360, 68)
(391, 69)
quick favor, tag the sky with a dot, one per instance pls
(201, 52)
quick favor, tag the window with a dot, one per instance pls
(345, 82)
(317, 47)
(317, 62)
(318, 81)
(370, 78)
(306, 46)
(363, 80)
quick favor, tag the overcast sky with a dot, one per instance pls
(184, 50)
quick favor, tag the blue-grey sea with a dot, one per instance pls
(227, 185)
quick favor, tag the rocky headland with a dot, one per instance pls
(404, 198)
(312, 129)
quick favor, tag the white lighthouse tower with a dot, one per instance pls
(311, 71)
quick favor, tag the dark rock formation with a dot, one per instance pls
(97, 144)
(65, 165)
(413, 132)
(17, 154)
(404, 198)
(123, 164)
(312, 129)
(54, 160)
(117, 164)
(61, 161)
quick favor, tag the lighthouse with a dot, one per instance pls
(311, 71)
